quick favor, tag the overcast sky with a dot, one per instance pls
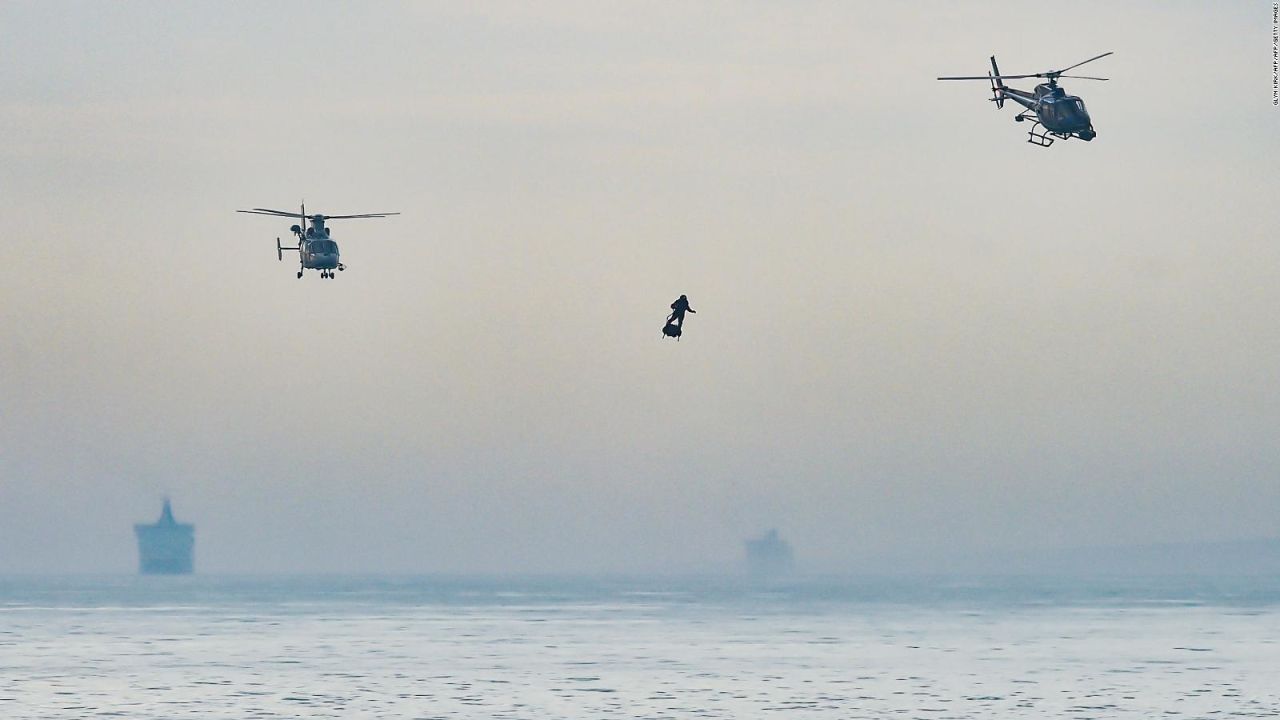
(916, 335)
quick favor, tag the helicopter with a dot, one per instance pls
(1056, 114)
(315, 250)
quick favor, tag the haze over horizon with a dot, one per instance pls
(916, 335)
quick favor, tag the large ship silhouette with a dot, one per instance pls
(166, 546)
(769, 555)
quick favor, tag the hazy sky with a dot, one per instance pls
(916, 335)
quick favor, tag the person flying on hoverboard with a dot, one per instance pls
(675, 321)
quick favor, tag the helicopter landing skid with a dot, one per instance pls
(1042, 138)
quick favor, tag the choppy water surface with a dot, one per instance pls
(447, 648)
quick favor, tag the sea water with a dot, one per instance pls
(435, 647)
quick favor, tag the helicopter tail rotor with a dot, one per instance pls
(997, 84)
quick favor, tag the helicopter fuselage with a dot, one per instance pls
(316, 251)
(1057, 111)
(318, 254)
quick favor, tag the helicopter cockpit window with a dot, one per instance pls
(324, 246)
(1079, 105)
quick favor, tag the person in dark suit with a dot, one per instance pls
(678, 309)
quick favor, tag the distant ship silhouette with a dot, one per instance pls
(165, 547)
(769, 555)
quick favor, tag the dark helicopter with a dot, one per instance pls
(1061, 115)
(316, 251)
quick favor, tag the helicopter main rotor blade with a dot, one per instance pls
(1049, 74)
(990, 77)
(301, 215)
(264, 211)
(362, 215)
(1085, 61)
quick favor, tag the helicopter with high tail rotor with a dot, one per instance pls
(1056, 114)
(316, 250)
